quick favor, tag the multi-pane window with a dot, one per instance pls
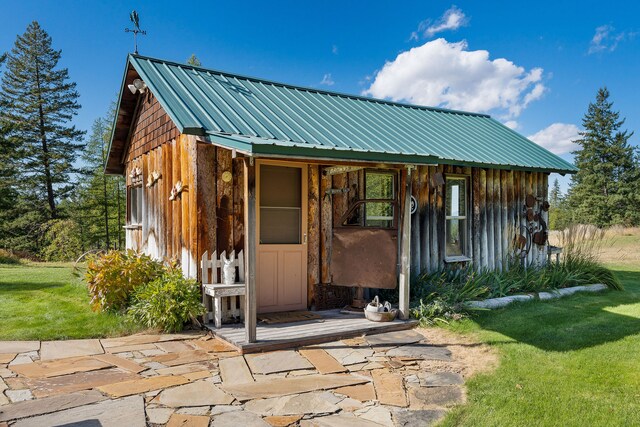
(379, 186)
(135, 205)
(456, 217)
(378, 207)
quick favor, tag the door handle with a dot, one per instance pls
(304, 238)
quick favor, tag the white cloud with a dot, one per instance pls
(327, 80)
(512, 124)
(557, 138)
(334, 49)
(452, 19)
(606, 39)
(440, 73)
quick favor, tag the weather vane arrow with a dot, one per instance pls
(135, 19)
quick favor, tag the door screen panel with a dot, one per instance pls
(280, 205)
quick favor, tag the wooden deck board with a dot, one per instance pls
(333, 326)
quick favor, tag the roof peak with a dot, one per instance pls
(311, 89)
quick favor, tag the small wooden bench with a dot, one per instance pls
(213, 290)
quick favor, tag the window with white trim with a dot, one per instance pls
(134, 204)
(456, 211)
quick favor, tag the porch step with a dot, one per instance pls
(333, 326)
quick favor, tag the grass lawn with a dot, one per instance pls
(45, 302)
(570, 362)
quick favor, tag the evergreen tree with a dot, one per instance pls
(38, 101)
(193, 60)
(555, 195)
(605, 191)
(98, 203)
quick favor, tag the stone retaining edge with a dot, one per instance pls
(492, 303)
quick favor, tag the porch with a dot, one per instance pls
(331, 327)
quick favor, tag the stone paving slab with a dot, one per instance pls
(234, 370)
(394, 339)
(214, 345)
(182, 420)
(200, 393)
(347, 354)
(30, 408)
(185, 369)
(389, 388)
(48, 369)
(237, 419)
(323, 362)
(315, 403)
(19, 346)
(438, 379)
(276, 361)
(174, 359)
(294, 385)
(421, 351)
(378, 414)
(340, 420)
(51, 350)
(419, 418)
(426, 397)
(7, 358)
(361, 392)
(44, 387)
(121, 362)
(110, 413)
(131, 347)
(128, 388)
(282, 420)
(174, 346)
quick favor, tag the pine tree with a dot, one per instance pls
(98, 199)
(605, 190)
(193, 60)
(39, 101)
(555, 196)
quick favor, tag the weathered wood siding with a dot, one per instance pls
(209, 214)
(169, 228)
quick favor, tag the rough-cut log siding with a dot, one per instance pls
(494, 215)
(152, 128)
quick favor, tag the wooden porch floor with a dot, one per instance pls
(333, 326)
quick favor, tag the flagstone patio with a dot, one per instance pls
(395, 378)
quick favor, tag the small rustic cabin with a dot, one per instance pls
(322, 192)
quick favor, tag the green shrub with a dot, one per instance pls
(112, 277)
(167, 303)
(7, 257)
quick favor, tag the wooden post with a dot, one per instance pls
(405, 246)
(250, 308)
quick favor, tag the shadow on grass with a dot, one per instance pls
(573, 323)
(30, 287)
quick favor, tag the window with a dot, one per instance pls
(135, 205)
(456, 217)
(378, 208)
(379, 186)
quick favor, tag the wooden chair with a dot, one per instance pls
(213, 291)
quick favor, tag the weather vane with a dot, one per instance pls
(136, 29)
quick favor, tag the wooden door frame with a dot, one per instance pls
(304, 188)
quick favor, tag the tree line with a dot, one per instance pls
(606, 189)
(56, 203)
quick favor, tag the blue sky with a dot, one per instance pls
(533, 67)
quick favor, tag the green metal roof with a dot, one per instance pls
(263, 117)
